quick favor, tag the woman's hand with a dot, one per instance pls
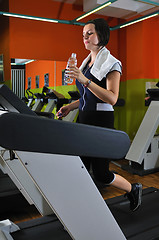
(75, 72)
(63, 112)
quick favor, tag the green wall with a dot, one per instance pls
(61, 89)
(129, 117)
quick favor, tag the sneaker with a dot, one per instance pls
(135, 196)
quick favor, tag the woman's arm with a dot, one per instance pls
(109, 95)
(73, 105)
(64, 111)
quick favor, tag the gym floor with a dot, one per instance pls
(150, 180)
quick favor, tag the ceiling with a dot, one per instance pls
(123, 9)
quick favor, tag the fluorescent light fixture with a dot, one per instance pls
(138, 20)
(30, 17)
(40, 18)
(32, 60)
(154, 14)
(95, 10)
(23, 62)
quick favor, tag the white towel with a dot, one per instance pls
(103, 63)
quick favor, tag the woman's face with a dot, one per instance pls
(90, 37)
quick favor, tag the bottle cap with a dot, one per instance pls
(73, 55)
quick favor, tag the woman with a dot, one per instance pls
(98, 81)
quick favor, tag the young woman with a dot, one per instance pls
(98, 81)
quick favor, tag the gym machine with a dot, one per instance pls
(61, 184)
(10, 196)
(143, 154)
(73, 115)
(58, 184)
(30, 100)
(53, 99)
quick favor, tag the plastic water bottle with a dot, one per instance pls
(72, 61)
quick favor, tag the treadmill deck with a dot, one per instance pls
(142, 224)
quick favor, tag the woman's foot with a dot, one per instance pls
(135, 196)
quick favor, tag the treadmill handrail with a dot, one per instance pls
(59, 137)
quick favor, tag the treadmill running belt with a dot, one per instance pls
(142, 224)
(139, 225)
(44, 228)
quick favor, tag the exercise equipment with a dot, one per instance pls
(11, 199)
(42, 99)
(73, 186)
(50, 99)
(73, 115)
(30, 99)
(143, 154)
(38, 105)
(58, 183)
(63, 198)
(10, 196)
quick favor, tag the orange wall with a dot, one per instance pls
(31, 39)
(138, 49)
(42, 40)
(134, 38)
(48, 41)
(59, 67)
(41, 67)
(142, 49)
(136, 46)
(151, 48)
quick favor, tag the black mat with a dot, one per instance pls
(140, 225)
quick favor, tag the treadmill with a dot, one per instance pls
(62, 190)
(144, 151)
(10, 196)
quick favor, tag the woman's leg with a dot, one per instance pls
(100, 167)
(134, 191)
(102, 173)
(121, 183)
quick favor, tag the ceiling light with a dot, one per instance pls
(29, 17)
(135, 21)
(95, 10)
(40, 18)
(138, 20)
(29, 61)
(22, 62)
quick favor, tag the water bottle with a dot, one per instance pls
(72, 61)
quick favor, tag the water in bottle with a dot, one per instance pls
(72, 61)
